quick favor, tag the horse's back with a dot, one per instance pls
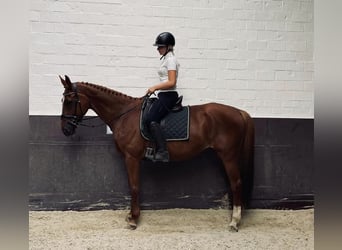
(217, 113)
(217, 124)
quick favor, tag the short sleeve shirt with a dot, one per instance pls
(169, 62)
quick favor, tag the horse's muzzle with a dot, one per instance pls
(68, 129)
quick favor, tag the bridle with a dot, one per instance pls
(75, 120)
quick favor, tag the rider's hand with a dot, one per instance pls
(151, 90)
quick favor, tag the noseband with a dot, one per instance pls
(74, 119)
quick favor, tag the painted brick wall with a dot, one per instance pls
(252, 54)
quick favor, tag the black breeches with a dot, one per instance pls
(161, 107)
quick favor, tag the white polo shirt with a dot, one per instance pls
(169, 62)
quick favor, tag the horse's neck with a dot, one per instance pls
(106, 103)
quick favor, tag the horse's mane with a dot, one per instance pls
(108, 90)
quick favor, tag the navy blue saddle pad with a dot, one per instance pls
(175, 126)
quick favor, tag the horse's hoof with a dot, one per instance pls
(132, 225)
(233, 228)
(131, 222)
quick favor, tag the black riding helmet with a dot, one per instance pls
(165, 39)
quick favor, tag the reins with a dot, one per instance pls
(124, 113)
(76, 120)
(90, 126)
(129, 110)
(102, 124)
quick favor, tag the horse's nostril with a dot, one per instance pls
(67, 132)
(68, 128)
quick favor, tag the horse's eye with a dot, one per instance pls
(66, 100)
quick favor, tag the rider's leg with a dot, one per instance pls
(161, 149)
(159, 109)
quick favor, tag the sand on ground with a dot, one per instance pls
(172, 229)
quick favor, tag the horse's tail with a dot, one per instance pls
(247, 158)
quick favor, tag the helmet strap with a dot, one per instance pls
(167, 51)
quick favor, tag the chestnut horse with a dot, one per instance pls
(227, 130)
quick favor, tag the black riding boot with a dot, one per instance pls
(161, 150)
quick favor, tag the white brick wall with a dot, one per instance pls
(253, 54)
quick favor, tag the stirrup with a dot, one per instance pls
(149, 154)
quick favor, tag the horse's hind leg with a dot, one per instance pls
(233, 173)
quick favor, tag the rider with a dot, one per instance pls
(166, 92)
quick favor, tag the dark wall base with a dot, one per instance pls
(86, 172)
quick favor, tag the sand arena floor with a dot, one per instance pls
(172, 229)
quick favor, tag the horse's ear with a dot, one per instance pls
(67, 83)
(67, 80)
(62, 81)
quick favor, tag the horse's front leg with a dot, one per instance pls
(133, 166)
